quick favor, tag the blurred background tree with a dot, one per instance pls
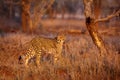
(39, 8)
(26, 15)
(30, 12)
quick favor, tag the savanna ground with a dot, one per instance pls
(80, 57)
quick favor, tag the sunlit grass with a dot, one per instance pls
(80, 60)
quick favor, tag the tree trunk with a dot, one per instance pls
(26, 19)
(91, 26)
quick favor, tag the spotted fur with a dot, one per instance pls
(39, 45)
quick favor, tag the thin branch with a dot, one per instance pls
(108, 17)
(40, 9)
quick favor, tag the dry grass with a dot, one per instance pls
(80, 61)
(80, 58)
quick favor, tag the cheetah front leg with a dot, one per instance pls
(26, 62)
(56, 58)
(38, 56)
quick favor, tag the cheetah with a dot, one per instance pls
(39, 45)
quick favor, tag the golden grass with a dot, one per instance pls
(80, 60)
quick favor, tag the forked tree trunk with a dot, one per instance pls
(29, 24)
(91, 26)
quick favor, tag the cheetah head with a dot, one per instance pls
(61, 39)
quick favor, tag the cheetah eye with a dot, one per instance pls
(59, 41)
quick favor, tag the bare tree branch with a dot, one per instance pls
(108, 17)
(39, 9)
